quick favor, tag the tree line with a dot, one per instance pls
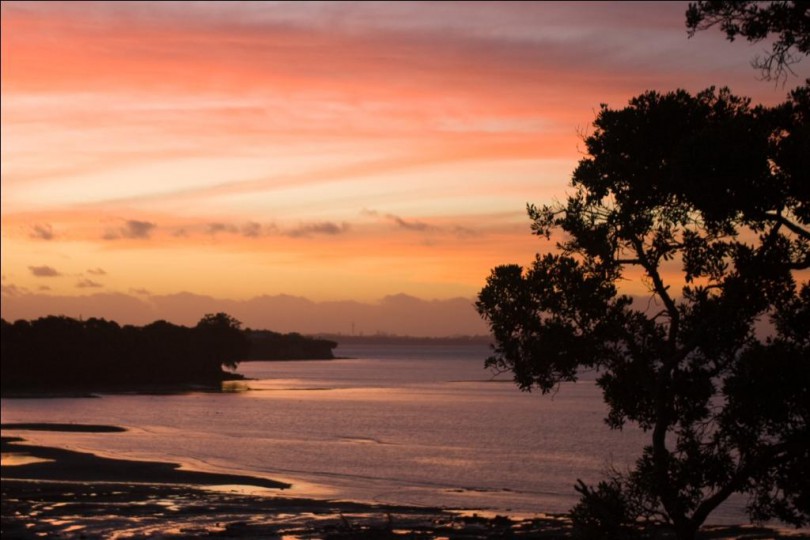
(268, 345)
(58, 352)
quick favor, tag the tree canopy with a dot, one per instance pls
(789, 21)
(707, 198)
(57, 352)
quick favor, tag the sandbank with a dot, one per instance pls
(67, 494)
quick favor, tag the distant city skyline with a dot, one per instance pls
(371, 160)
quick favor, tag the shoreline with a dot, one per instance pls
(70, 494)
(93, 391)
(49, 463)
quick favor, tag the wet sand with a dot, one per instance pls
(61, 493)
(66, 465)
(67, 494)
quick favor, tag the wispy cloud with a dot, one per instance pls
(140, 291)
(214, 228)
(323, 228)
(132, 229)
(251, 230)
(444, 227)
(42, 232)
(465, 232)
(12, 290)
(97, 271)
(44, 271)
(409, 225)
(88, 284)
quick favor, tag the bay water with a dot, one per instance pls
(400, 424)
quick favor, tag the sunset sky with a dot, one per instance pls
(350, 154)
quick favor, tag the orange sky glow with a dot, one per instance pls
(335, 153)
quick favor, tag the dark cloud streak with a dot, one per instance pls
(132, 229)
(42, 232)
(214, 228)
(44, 271)
(409, 225)
(252, 230)
(323, 228)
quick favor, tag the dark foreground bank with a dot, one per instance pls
(58, 493)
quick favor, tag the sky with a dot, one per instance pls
(310, 166)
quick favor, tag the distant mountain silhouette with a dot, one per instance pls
(398, 314)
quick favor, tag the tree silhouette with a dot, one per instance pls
(57, 352)
(756, 21)
(708, 199)
(221, 339)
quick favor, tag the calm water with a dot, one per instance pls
(412, 425)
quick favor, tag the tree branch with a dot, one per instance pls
(782, 220)
(660, 289)
(742, 474)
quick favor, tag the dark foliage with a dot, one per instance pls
(706, 200)
(788, 21)
(62, 353)
(607, 512)
(267, 345)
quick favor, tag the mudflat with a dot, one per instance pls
(54, 492)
